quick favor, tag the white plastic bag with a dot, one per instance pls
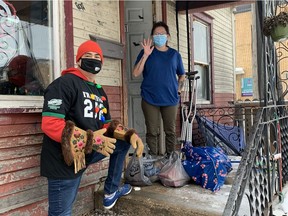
(173, 173)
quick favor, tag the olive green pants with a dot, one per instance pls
(153, 116)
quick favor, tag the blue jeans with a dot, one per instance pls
(62, 193)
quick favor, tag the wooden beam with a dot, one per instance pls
(69, 40)
(164, 10)
(199, 6)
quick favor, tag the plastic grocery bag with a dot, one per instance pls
(153, 166)
(134, 173)
(173, 173)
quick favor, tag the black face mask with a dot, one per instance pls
(91, 65)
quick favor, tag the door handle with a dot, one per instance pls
(140, 17)
(136, 44)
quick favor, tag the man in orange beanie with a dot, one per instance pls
(78, 132)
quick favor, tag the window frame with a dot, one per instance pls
(207, 20)
(27, 101)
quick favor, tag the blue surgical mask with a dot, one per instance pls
(159, 40)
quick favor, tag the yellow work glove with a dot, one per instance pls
(74, 146)
(77, 142)
(118, 131)
(102, 144)
(136, 142)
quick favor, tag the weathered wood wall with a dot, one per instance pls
(101, 19)
(20, 145)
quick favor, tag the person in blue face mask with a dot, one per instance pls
(163, 81)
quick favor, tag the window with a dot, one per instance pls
(26, 48)
(202, 59)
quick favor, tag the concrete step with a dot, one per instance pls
(158, 200)
(167, 201)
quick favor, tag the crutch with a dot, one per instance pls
(189, 98)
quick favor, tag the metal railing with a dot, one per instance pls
(263, 170)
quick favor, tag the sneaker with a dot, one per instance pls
(110, 201)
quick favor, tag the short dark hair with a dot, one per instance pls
(160, 24)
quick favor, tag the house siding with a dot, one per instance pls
(223, 54)
(171, 22)
(20, 183)
(223, 49)
(22, 190)
(101, 19)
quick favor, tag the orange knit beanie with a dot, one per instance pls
(89, 46)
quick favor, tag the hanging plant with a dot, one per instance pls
(276, 26)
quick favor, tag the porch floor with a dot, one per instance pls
(158, 200)
(192, 199)
(165, 201)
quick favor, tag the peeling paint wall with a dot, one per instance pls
(102, 19)
(22, 190)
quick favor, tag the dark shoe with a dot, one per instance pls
(109, 202)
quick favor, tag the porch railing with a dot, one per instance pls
(263, 169)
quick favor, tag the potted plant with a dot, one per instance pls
(276, 26)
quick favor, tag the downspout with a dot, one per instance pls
(188, 48)
(164, 10)
(124, 95)
(188, 38)
(178, 48)
(56, 39)
(177, 27)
